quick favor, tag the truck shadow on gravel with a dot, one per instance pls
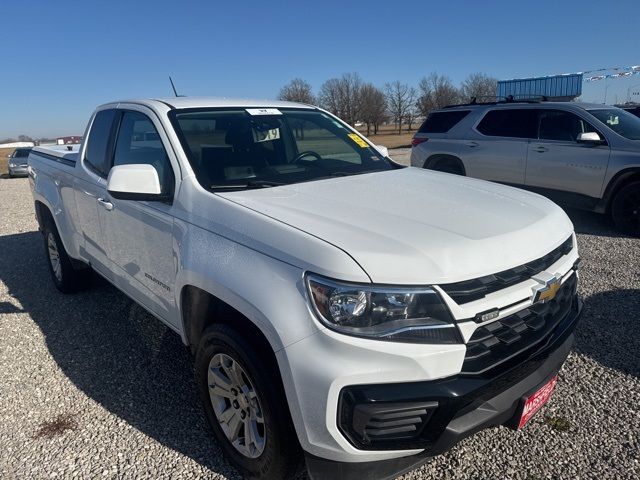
(114, 352)
(138, 369)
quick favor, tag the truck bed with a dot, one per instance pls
(58, 153)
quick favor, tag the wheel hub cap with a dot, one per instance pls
(54, 256)
(236, 405)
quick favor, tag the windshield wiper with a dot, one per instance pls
(248, 185)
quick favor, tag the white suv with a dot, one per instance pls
(581, 155)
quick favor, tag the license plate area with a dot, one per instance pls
(536, 401)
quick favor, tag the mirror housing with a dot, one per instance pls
(589, 137)
(135, 182)
(384, 151)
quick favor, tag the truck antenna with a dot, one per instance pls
(173, 86)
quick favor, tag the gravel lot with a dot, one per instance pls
(91, 386)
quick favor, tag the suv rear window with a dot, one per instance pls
(513, 122)
(442, 122)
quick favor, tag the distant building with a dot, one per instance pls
(71, 140)
(555, 88)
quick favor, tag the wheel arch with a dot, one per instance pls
(433, 159)
(619, 180)
(200, 309)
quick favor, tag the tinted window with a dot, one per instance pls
(519, 123)
(97, 155)
(22, 153)
(442, 122)
(138, 142)
(561, 125)
(239, 149)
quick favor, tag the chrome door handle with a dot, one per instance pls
(106, 204)
(541, 149)
(472, 144)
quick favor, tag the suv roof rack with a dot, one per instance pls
(500, 100)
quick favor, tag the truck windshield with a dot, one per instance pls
(620, 121)
(235, 149)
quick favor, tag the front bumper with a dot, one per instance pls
(464, 405)
(18, 170)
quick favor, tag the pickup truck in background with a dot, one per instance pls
(343, 310)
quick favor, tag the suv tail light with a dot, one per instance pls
(417, 141)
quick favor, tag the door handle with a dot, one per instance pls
(541, 149)
(106, 204)
(472, 144)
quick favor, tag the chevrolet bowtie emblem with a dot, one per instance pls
(547, 290)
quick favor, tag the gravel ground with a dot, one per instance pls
(91, 386)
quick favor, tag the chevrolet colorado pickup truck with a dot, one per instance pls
(344, 311)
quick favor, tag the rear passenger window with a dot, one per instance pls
(138, 142)
(97, 156)
(518, 123)
(442, 122)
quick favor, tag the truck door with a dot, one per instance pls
(558, 161)
(138, 234)
(91, 188)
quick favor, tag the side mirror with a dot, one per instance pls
(589, 137)
(384, 151)
(134, 182)
(9, 156)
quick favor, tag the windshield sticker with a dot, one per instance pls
(358, 139)
(266, 135)
(263, 111)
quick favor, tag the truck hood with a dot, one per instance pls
(414, 226)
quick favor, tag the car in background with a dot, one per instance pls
(578, 154)
(18, 162)
(633, 109)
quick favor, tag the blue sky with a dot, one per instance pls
(62, 58)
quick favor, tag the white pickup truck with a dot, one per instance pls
(343, 310)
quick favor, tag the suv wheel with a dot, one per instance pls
(447, 165)
(246, 407)
(625, 208)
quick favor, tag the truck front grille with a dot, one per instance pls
(477, 288)
(499, 341)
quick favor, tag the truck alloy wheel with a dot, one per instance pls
(236, 405)
(54, 256)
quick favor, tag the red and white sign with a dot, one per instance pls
(536, 401)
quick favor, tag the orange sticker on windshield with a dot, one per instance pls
(358, 139)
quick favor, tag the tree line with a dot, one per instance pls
(354, 100)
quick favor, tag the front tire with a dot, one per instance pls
(245, 405)
(625, 209)
(66, 278)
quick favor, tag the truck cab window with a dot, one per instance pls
(138, 142)
(97, 156)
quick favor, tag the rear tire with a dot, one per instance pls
(625, 209)
(258, 410)
(447, 165)
(66, 278)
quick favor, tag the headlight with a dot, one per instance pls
(12, 165)
(412, 315)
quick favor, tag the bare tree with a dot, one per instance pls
(412, 110)
(436, 91)
(373, 107)
(297, 90)
(479, 86)
(342, 97)
(399, 99)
